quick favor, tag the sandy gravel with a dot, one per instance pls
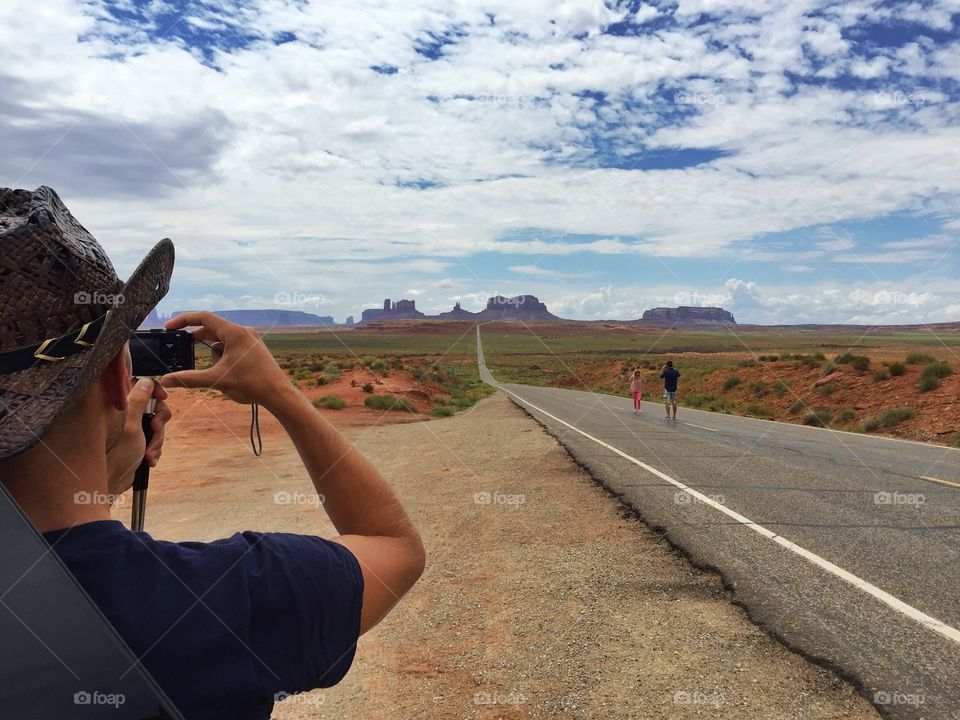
(539, 599)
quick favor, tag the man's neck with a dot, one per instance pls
(60, 488)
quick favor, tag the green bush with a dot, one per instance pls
(302, 374)
(731, 382)
(697, 400)
(380, 367)
(897, 369)
(388, 402)
(880, 375)
(828, 388)
(927, 384)
(759, 388)
(919, 358)
(937, 370)
(368, 387)
(817, 418)
(780, 387)
(442, 411)
(846, 415)
(828, 368)
(860, 363)
(798, 407)
(747, 363)
(887, 419)
(757, 410)
(811, 361)
(331, 402)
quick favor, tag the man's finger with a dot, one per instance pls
(191, 378)
(203, 318)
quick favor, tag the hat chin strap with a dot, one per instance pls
(53, 349)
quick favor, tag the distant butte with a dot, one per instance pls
(519, 307)
(684, 315)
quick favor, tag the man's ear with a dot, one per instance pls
(116, 380)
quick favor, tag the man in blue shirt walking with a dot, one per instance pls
(670, 376)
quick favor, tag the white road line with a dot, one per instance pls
(702, 427)
(886, 598)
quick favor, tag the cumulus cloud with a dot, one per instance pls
(337, 147)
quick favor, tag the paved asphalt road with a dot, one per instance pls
(834, 542)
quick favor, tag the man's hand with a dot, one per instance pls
(245, 372)
(124, 457)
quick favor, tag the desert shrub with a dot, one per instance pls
(332, 370)
(846, 415)
(368, 360)
(897, 369)
(919, 358)
(331, 402)
(819, 356)
(353, 382)
(758, 388)
(827, 389)
(860, 363)
(927, 384)
(757, 410)
(828, 368)
(731, 382)
(388, 402)
(880, 375)
(442, 411)
(302, 374)
(698, 400)
(723, 405)
(315, 367)
(887, 419)
(368, 387)
(937, 370)
(380, 367)
(811, 361)
(817, 418)
(780, 387)
(768, 358)
(747, 363)
(798, 407)
(955, 440)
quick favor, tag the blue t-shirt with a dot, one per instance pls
(670, 376)
(223, 626)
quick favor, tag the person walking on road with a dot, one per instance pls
(636, 389)
(670, 376)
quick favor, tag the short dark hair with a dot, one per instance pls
(669, 363)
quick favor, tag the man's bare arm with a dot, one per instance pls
(366, 513)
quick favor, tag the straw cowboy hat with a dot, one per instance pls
(64, 313)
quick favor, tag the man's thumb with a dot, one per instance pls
(140, 395)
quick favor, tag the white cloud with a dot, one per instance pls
(282, 164)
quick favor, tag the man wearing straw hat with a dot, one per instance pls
(225, 627)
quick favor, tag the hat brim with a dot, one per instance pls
(33, 399)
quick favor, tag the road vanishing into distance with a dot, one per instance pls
(844, 546)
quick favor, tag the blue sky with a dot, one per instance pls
(793, 162)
